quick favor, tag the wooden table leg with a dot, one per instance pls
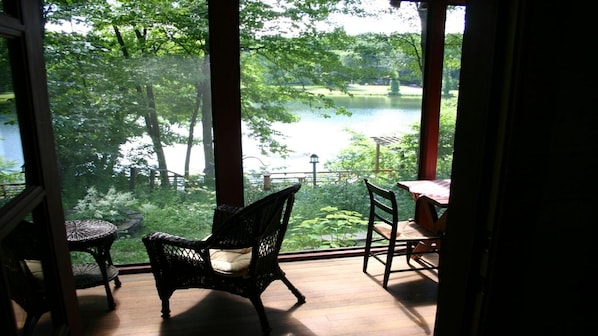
(426, 215)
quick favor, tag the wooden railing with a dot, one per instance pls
(10, 190)
(316, 177)
(175, 180)
(178, 181)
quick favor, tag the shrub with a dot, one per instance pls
(331, 228)
(113, 206)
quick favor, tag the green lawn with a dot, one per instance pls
(367, 90)
(372, 90)
(6, 96)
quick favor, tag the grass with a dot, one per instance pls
(372, 90)
(367, 90)
(6, 97)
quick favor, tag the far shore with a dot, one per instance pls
(372, 90)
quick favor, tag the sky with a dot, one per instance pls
(387, 20)
(391, 20)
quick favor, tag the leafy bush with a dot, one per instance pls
(9, 171)
(331, 228)
(112, 206)
(189, 220)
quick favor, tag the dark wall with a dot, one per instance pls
(519, 241)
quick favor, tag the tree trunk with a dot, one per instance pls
(192, 123)
(206, 117)
(150, 116)
(203, 103)
(153, 129)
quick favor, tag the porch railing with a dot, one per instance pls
(175, 180)
(316, 177)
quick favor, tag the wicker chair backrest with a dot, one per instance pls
(257, 220)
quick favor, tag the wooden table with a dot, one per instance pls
(430, 197)
(94, 237)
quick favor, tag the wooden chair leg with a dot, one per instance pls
(389, 255)
(409, 253)
(368, 246)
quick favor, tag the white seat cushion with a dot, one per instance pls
(35, 267)
(234, 262)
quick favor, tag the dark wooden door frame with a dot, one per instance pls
(226, 100)
(21, 25)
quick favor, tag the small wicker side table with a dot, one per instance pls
(94, 237)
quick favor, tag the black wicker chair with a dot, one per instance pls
(20, 257)
(239, 257)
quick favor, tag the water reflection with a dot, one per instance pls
(371, 116)
(11, 154)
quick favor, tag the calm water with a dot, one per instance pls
(372, 116)
(314, 134)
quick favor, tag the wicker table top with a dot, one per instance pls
(88, 230)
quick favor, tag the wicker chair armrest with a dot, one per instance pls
(169, 251)
(162, 238)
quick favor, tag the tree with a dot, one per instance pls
(452, 62)
(400, 156)
(141, 67)
(161, 48)
(89, 115)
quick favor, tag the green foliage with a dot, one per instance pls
(188, 219)
(448, 122)
(9, 171)
(141, 70)
(401, 156)
(328, 216)
(331, 228)
(346, 195)
(160, 51)
(334, 215)
(112, 206)
(394, 87)
(183, 213)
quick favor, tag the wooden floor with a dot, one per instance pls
(341, 300)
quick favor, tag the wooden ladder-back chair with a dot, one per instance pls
(239, 257)
(401, 237)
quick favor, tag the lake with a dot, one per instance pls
(314, 134)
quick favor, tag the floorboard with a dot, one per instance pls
(341, 300)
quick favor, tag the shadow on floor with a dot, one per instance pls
(211, 316)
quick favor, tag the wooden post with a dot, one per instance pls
(267, 182)
(132, 178)
(152, 179)
(377, 167)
